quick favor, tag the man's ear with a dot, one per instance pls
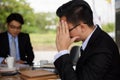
(83, 27)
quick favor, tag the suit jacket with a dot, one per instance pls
(99, 61)
(25, 48)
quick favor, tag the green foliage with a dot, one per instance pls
(20, 6)
(44, 20)
(39, 40)
(30, 29)
(34, 22)
(110, 27)
(43, 38)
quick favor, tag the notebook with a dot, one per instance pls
(36, 73)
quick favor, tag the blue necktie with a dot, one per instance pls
(13, 48)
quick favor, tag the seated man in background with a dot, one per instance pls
(15, 43)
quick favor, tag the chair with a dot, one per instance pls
(74, 54)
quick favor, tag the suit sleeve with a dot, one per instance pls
(64, 67)
(29, 51)
(93, 68)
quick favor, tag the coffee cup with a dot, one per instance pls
(10, 62)
(43, 62)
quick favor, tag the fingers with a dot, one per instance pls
(58, 29)
(74, 38)
(63, 27)
(66, 28)
(57, 35)
(63, 40)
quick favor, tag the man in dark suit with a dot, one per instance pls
(23, 47)
(100, 59)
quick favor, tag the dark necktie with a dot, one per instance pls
(81, 50)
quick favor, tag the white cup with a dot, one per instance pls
(10, 62)
(43, 62)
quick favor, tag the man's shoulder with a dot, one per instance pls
(23, 34)
(3, 33)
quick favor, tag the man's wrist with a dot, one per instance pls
(60, 53)
(2, 60)
(63, 52)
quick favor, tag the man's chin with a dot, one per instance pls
(14, 35)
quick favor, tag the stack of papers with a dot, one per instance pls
(48, 65)
(38, 75)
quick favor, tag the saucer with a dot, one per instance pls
(6, 69)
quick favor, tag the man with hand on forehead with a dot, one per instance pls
(99, 60)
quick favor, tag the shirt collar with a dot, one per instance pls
(84, 44)
(10, 36)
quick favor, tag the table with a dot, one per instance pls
(38, 75)
(51, 77)
(20, 75)
(15, 77)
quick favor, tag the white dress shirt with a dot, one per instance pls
(17, 47)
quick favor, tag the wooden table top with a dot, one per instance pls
(19, 77)
(37, 74)
(22, 76)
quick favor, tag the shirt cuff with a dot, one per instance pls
(63, 52)
(1, 59)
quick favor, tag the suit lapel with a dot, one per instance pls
(20, 43)
(92, 40)
(87, 52)
(6, 39)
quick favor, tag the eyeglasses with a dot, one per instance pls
(14, 27)
(74, 27)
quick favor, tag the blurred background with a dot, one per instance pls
(41, 21)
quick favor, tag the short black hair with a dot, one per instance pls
(75, 11)
(15, 16)
(61, 11)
